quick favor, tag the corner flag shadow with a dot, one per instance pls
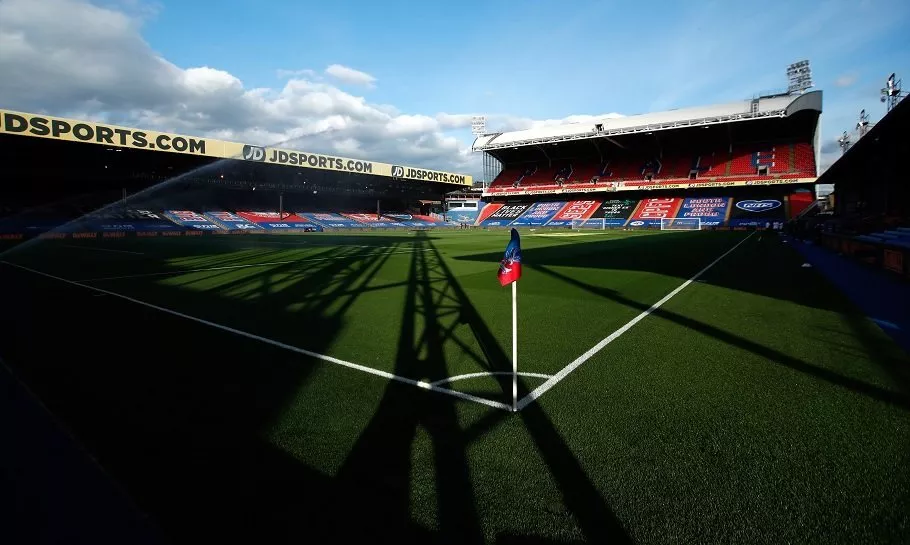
(380, 460)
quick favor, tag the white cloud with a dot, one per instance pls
(73, 58)
(350, 76)
(845, 80)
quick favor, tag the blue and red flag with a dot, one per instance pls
(510, 266)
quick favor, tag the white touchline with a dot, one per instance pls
(227, 267)
(564, 372)
(101, 249)
(419, 383)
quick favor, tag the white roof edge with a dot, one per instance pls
(773, 106)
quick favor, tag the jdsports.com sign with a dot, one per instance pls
(408, 173)
(41, 126)
(84, 131)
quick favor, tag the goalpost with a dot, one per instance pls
(589, 224)
(680, 224)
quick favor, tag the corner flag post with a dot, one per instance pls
(509, 273)
(515, 346)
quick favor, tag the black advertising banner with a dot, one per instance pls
(613, 212)
(505, 215)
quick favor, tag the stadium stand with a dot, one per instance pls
(771, 139)
(745, 163)
(755, 208)
(278, 221)
(746, 209)
(870, 220)
(130, 188)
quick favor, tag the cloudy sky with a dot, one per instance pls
(398, 80)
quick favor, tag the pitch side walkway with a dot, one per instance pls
(883, 297)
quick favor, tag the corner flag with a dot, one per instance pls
(509, 273)
(510, 266)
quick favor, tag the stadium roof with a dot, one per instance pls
(763, 107)
(873, 161)
(60, 129)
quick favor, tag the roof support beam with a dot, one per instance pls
(544, 152)
(599, 153)
(614, 142)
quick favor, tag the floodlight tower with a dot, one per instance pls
(844, 142)
(892, 92)
(799, 77)
(491, 166)
(863, 125)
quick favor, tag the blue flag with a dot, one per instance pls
(510, 266)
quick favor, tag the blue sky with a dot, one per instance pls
(544, 59)
(517, 62)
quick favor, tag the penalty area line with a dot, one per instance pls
(384, 374)
(565, 371)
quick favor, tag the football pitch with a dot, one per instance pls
(674, 386)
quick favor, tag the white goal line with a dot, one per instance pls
(433, 387)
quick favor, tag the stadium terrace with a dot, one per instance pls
(769, 140)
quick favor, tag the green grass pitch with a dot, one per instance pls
(756, 405)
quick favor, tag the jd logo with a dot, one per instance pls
(253, 153)
(397, 172)
(758, 206)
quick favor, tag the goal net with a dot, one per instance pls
(680, 224)
(589, 224)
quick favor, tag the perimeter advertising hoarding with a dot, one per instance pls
(274, 221)
(330, 220)
(505, 215)
(574, 212)
(757, 212)
(192, 220)
(711, 211)
(539, 214)
(612, 213)
(649, 212)
(232, 221)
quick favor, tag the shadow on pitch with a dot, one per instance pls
(767, 353)
(680, 255)
(179, 412)
(381, 459)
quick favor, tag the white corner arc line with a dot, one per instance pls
(449, 380)
(323, 357)
(565, 371)
(101, 249)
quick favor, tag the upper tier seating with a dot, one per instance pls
(753, 161)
